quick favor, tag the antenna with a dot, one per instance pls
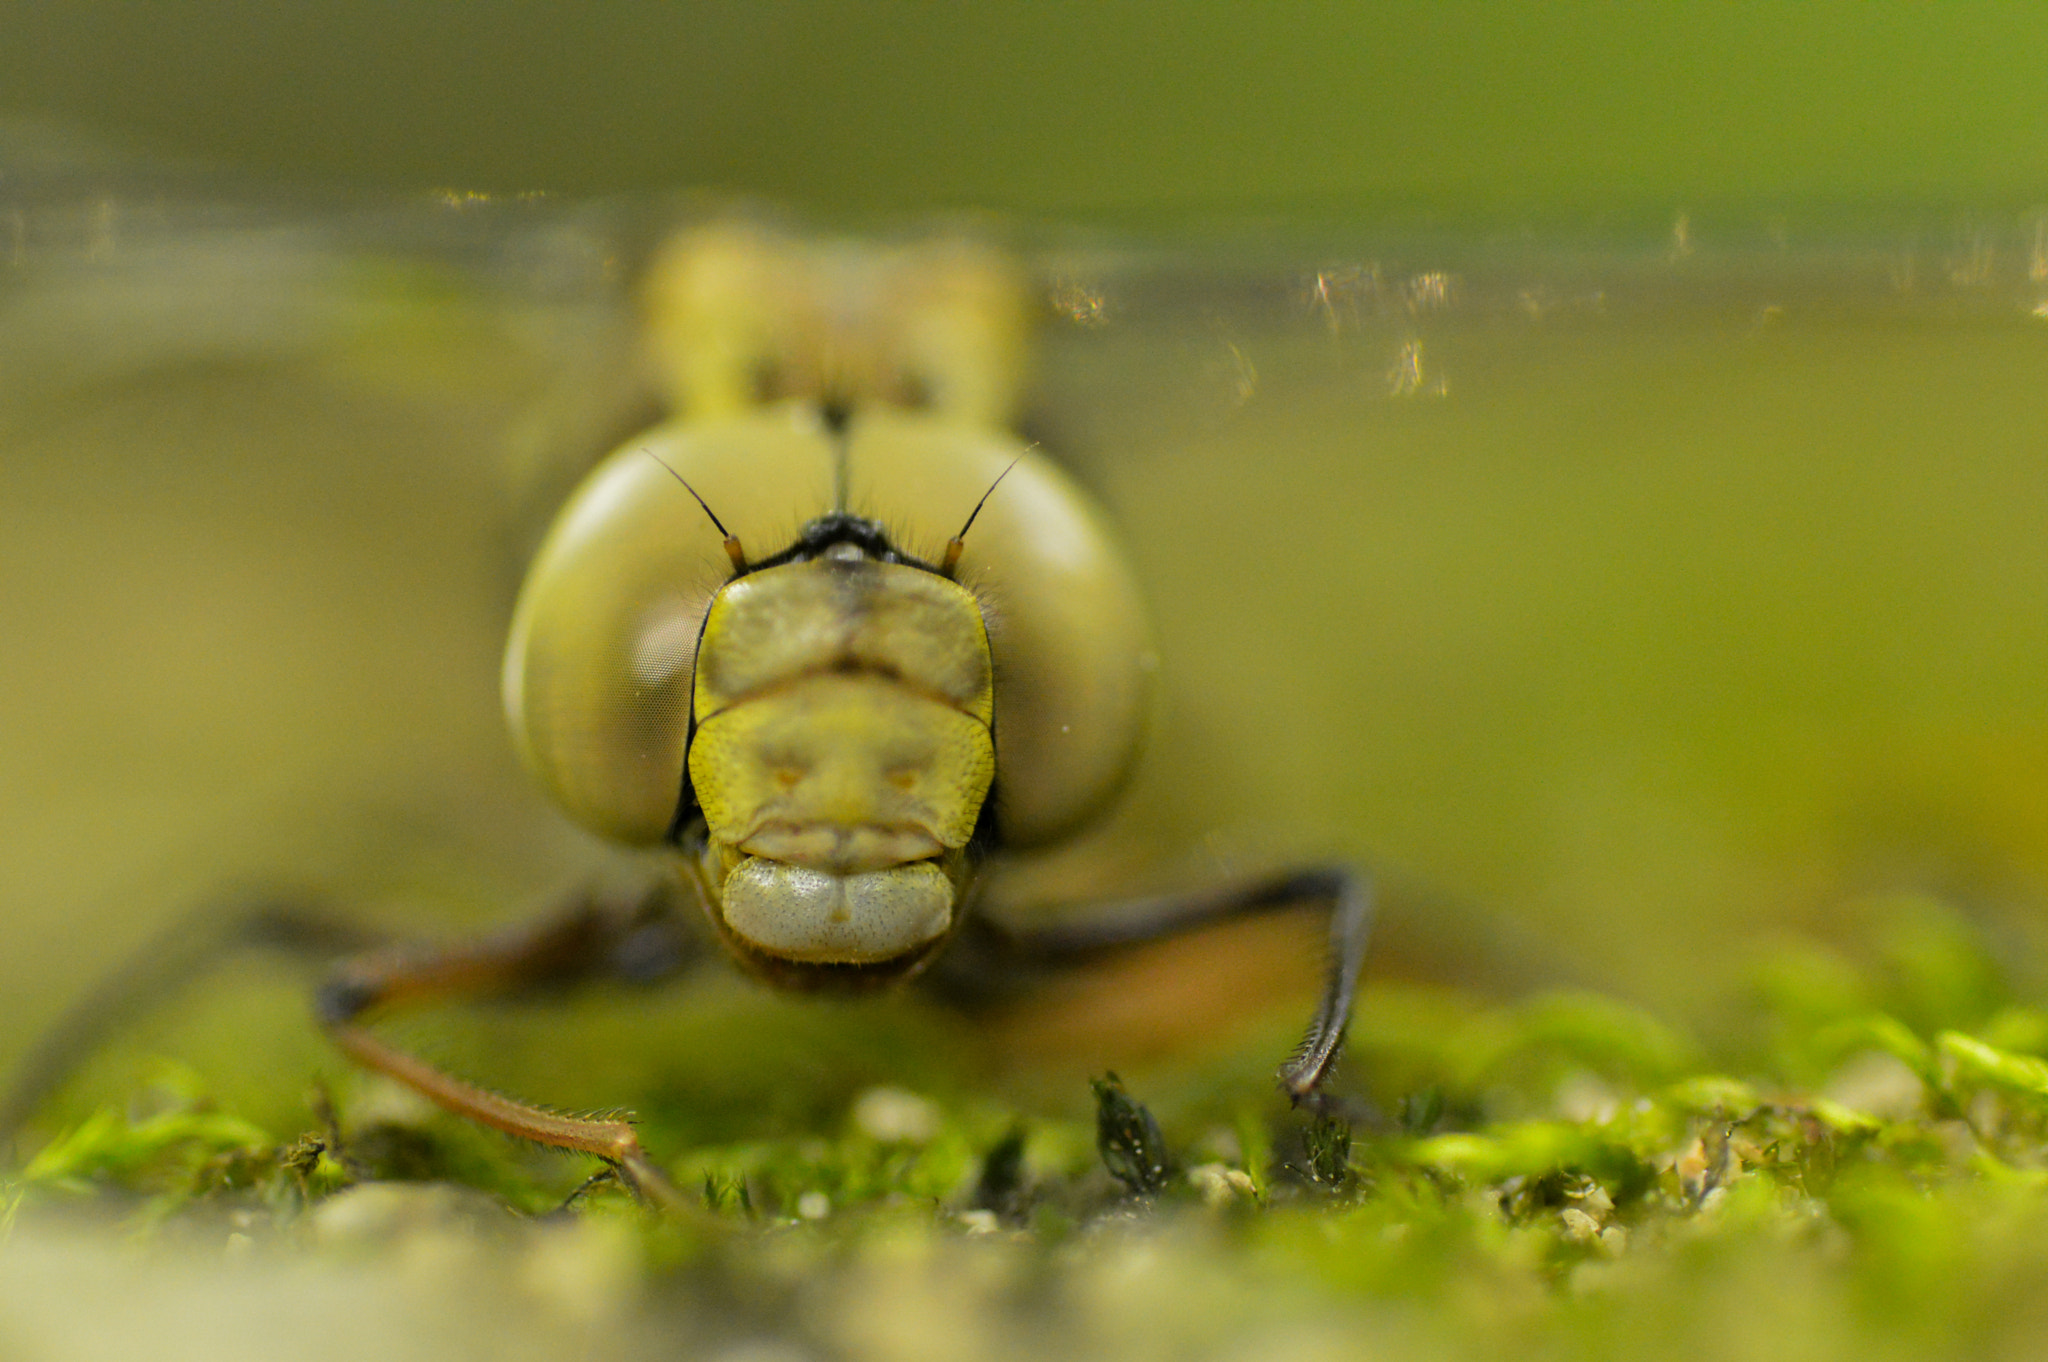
(958, 543)
(732, 541)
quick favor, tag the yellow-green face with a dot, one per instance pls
(843, 747)
(832, 717)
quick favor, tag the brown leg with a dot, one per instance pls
(993, 951)
(588, 941)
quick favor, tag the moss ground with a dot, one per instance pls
(1853, 1167)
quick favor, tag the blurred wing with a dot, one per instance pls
(116, 277)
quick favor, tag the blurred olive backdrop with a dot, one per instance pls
(1142, 111)
(1635, 547)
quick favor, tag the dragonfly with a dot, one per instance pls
(831, 639)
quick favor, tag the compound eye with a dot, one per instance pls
(603, 644)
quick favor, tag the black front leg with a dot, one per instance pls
(988, 958)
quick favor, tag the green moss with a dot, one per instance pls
(1560, 1176)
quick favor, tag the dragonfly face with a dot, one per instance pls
(841, 756)
(835, 734)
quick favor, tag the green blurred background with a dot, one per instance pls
(1139, 112)
(1672, 580)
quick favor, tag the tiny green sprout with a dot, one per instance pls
(721, 1193)
(1127, 1136)
(1329, 1151)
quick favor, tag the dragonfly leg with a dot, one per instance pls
(590, 940)
(994, 951)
